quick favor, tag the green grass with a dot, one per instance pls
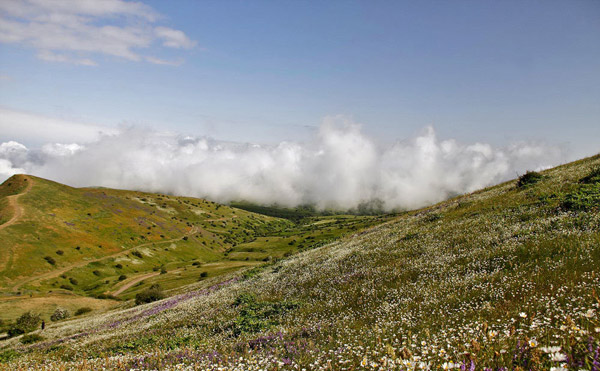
(135, 233)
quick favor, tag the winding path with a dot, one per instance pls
(12, 202)
(58, 272)
(133, 282)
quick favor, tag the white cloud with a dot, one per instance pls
(174, 38)
(73, 31)
(340, 167)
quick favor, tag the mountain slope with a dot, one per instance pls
(506, 277)
(50, 229)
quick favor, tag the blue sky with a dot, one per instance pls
(266, 71)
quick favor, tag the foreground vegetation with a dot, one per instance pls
(504, 278)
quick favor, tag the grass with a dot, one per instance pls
(503, 278)
(83, 241)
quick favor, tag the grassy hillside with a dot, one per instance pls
(504, 278)
(67, 245)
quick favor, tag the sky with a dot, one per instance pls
(519, 78)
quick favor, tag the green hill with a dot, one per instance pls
(64, 246)
(503, 278)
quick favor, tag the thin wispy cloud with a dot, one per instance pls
(77, 31)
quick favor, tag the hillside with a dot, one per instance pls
(503, 278)
(64, 246)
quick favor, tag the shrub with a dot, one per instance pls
(119, 266)
(59, 252)
(258, 315)
(60, 314)
(122, 277)
(138, 254)
(83, 310)
(26, 323)
(592, 177)
(204, 274)
(50, 260)
(66, 287)
(587, 197)
(73, 281)
(31, 338)
(529, 178)
(163, 270)
(154, 293)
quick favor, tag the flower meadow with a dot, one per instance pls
(505, 278)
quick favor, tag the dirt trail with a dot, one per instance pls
(56, 273)
(19, 210)
(133, 282)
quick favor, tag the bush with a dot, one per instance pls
(204, 274)
(26, 323)
(119, 266)
(31, 338)
(66, 287)
(154, 293)
(529, 178)
(592, 177)
(122, 277)
(73, 281)
(50, 260)
(59, 252)
(587, 197)
(83, 310)
(138, 254)
(60, 314)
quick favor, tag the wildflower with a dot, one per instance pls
(523, 315)
(554, 349)
(423, 343)
(492, 333)
(364, 362)
(589, 313)
(558, 357)
(448, 365)
(533, 343)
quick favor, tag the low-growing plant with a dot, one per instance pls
(50, 260)
(592, 177)
(586, 197)
(82, 310)
(31, 338)
(153, 293)
(122, 277)
(257, 315)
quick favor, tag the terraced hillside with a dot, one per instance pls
(504, 278)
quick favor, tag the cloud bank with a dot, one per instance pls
(339, 168)
(73, 31)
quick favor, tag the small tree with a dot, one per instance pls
(26, 323)
(60, 314)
